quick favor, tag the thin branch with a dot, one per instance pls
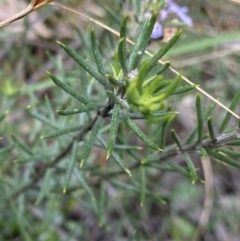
(58, 158)
(165, 155)
(34, 5)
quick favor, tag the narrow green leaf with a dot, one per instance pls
(119, 161)
(131, 188)
(140, 116)
(50, 111)
(96, 54)
(166, 167)
(113, 130)
(2, 116)
(140, 134)
(89, 144)
(170, 167)
(56, 62)
(84, 108)
(68, 89)
(113, 16)
(163, 130)
(84, 83)
(126, 147)
(141, 76)
(122, 55)
(83, 182)
(182, 170)
(141, 42)
(228, 116)
(161, 116)
(176, 139)
(63, 131)
(113, 97)
(116, 158)
(228, 152)
(78, 59)
(114, 81)
(191, 168)
(211, 129)
(22, 145)
(157, 70)
(42, 118)
(154, 60)
(199, 117)
(155, 84)
(7, 149)
(132, 93)
(135, 116)
(70, 166)
(45, 187)
(123, 28)
(162, 95)
(205, 117)
(162, 138)
(142, 182)
(184, 89)
(115, 66)
(203, 153)
(224, 158)
(234, 143)
(122, 45)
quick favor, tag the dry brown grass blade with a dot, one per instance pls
(208, 200)
(35, 4)
(148, 53)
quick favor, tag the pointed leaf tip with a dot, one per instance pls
(128, 172)
(107, 156)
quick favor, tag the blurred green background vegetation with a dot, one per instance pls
(207, 54)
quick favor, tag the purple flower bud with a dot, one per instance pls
(180, 12)
(157, 32)
(163, 14)
(173, 8)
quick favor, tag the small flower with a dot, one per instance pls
(157, 32)
(170, 8)
(180, 12)
(132, 74)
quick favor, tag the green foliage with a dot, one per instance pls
(83, 146)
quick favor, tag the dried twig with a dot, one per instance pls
(35, 4)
